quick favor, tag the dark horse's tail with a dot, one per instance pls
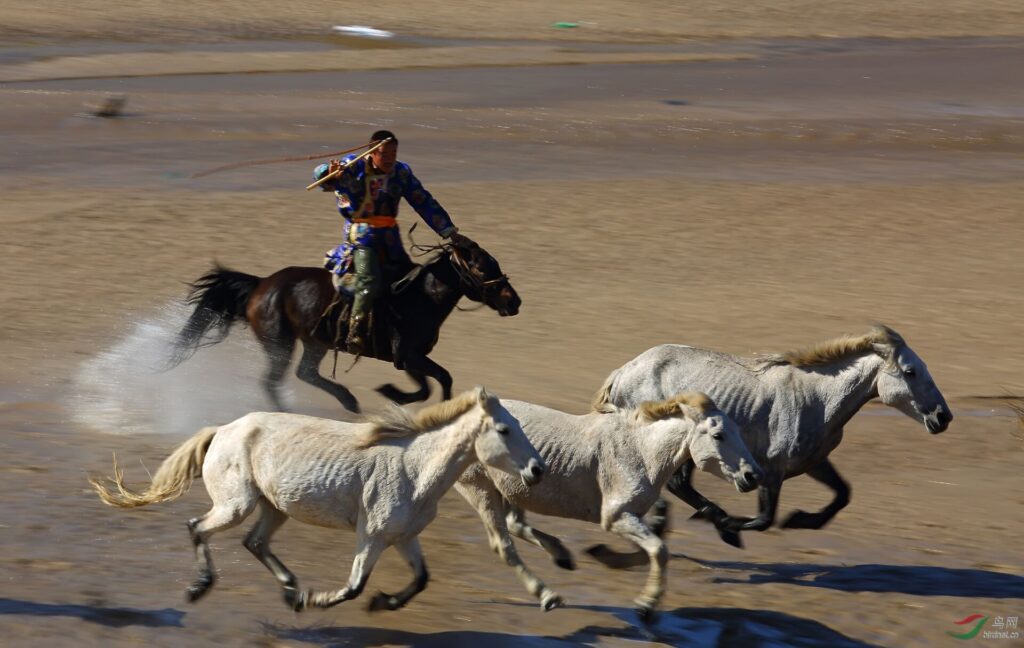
(220, 297)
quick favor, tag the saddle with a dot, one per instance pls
(338, 311)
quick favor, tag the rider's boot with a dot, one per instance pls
(367, 283)
(355, 342)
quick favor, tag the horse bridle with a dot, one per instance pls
(466, 273)
(461, 266)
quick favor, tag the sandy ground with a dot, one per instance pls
(641, 21)
(767, 193)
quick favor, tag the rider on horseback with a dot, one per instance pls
(368, 194)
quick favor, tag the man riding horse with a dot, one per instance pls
(369, 189)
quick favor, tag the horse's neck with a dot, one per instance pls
(441, 284)
(848, 387)
(434, 461)
(662, 446)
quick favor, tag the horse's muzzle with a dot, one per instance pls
(532, 474)
(938, 420)
(749, 480)
(510, 303)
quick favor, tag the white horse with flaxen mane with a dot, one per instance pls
(607, 468)
(383, 479)
(791, 408)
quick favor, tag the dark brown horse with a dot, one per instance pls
(296, 304)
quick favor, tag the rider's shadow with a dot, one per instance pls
(917, 580)
(113, 617)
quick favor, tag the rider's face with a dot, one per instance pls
(384, 158)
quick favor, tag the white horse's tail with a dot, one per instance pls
(603, 399)
(171, 481)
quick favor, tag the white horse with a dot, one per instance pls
(383, 479)
(607, 468)
(791, 408)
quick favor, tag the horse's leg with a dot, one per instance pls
(258, 543)
(279, 352)
(369, 550)
(410, 550)
(658, 525)
(768, 504)
(396, 395)
(417, 363)
(825, 473)
(489, 505)
(681, 485)
(220, 517)
(515, 519)
(632, 528)
(308, 371)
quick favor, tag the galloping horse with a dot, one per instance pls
(791, 408)
(607, 468)
(293, 303)
(382, 479)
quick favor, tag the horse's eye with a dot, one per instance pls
(502, 429)
(717, 436)
(909, 372)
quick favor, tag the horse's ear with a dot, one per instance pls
(482, 395)
(883, 349)
(689, 411)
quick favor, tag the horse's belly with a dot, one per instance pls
(556, 497)
(327, 510)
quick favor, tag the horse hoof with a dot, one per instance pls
(198, 589)
(801, 520)
(295, 599)
(646, 614)
(732, 524)
(731, 538)
(597, 550)
(382, 601)
(566, 563)
(196, 592)
(711, 513)
(551, 601)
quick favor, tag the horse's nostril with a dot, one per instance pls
(536, 470)
(751, 477)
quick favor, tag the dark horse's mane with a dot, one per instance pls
(300, 304)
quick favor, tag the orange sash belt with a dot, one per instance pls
(378, 221)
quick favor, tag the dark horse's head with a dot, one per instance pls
(481, 277)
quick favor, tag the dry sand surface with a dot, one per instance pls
(756, 189)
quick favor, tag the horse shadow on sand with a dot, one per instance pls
(682, 627)
(916, 580)
(107, 616)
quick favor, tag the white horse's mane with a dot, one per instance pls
(658, 410)
(395, 422)
(838, 349)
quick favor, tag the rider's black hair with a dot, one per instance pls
(382, 135)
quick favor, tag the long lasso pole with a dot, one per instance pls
(337, 172)
(298, 158)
